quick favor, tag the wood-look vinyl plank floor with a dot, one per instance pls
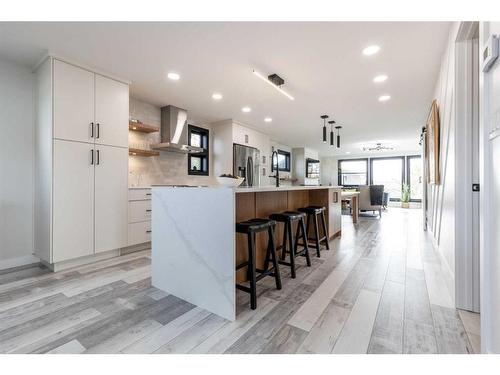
(378, 290)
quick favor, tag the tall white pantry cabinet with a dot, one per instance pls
(81, 158)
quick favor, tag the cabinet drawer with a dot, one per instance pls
(139, 233)
(139, 194)
(139, 211)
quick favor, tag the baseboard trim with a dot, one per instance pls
(18, 262)
(67, 264)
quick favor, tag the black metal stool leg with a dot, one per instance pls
(272, 246)
(325, 231)
(316, 234)
(251, 267)
(292, 249)
(306, 247)
(283, 244)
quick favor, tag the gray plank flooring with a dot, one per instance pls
(378, 290)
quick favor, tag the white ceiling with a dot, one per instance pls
(321, 63)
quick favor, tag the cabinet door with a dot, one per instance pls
(73, 201)
(73, 102)
(111, 112)
(111, 198)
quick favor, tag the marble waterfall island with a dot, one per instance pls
(194, 245)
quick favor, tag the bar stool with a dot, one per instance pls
(314, 212)
(250, 227)
(287, 218)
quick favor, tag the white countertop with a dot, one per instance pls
(281, 188)
(256, 189)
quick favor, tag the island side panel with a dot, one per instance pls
(330, 199)
(193, 246)
(245, 210)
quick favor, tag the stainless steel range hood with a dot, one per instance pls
(174, 132)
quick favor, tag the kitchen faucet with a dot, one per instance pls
(277, 175)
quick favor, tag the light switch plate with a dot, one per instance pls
(490, 52)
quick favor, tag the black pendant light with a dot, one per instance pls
(331, 132)
(338, 135)
(324, 117)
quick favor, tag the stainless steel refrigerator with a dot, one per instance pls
(246, 164)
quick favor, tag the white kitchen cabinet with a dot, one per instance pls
(81, 187)
(111, 112)
(73, 102)
(139, 211)
(73, 200)
(111, 198)
(139, 233)
(137, 194)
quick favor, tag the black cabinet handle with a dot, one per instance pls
(92, 157)
(98, 161)
(98, 130)
(148, 231)
(91, 130)
(148, 193)
(148, 210)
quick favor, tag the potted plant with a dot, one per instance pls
(405, 196)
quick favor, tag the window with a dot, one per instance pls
(390, 173)
(283, 161)
(198, 163)
(353, 172)
(414, 170)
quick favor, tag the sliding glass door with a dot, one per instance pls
(390, 173)
(414, 178)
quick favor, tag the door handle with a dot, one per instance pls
(92, 157)
(98, 130)
(91, 130)
(98, 158)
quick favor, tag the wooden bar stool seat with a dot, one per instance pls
(290, 245)
(313, 212)
(250, 228)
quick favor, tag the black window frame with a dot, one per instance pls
(205, 136)
(339, 172)
(403, 179)
(408, 157)
(287, 156)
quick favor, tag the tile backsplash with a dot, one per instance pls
(169, 167)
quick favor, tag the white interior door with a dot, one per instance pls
(73, 102)
(73, 203)
(111, 112)
(111, 198)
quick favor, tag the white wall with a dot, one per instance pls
(300, 155)
(329, 170)
(490, 201)
(441, 198)
(16, 165)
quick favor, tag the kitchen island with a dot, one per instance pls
(194, 245)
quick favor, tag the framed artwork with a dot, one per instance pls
(432, 143)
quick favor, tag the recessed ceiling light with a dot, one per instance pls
(216, 96)
(348, 152)
(173, 76)
(246, 109)
(384, 98)
(380, 78)
(268, 119)
(371, 50)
